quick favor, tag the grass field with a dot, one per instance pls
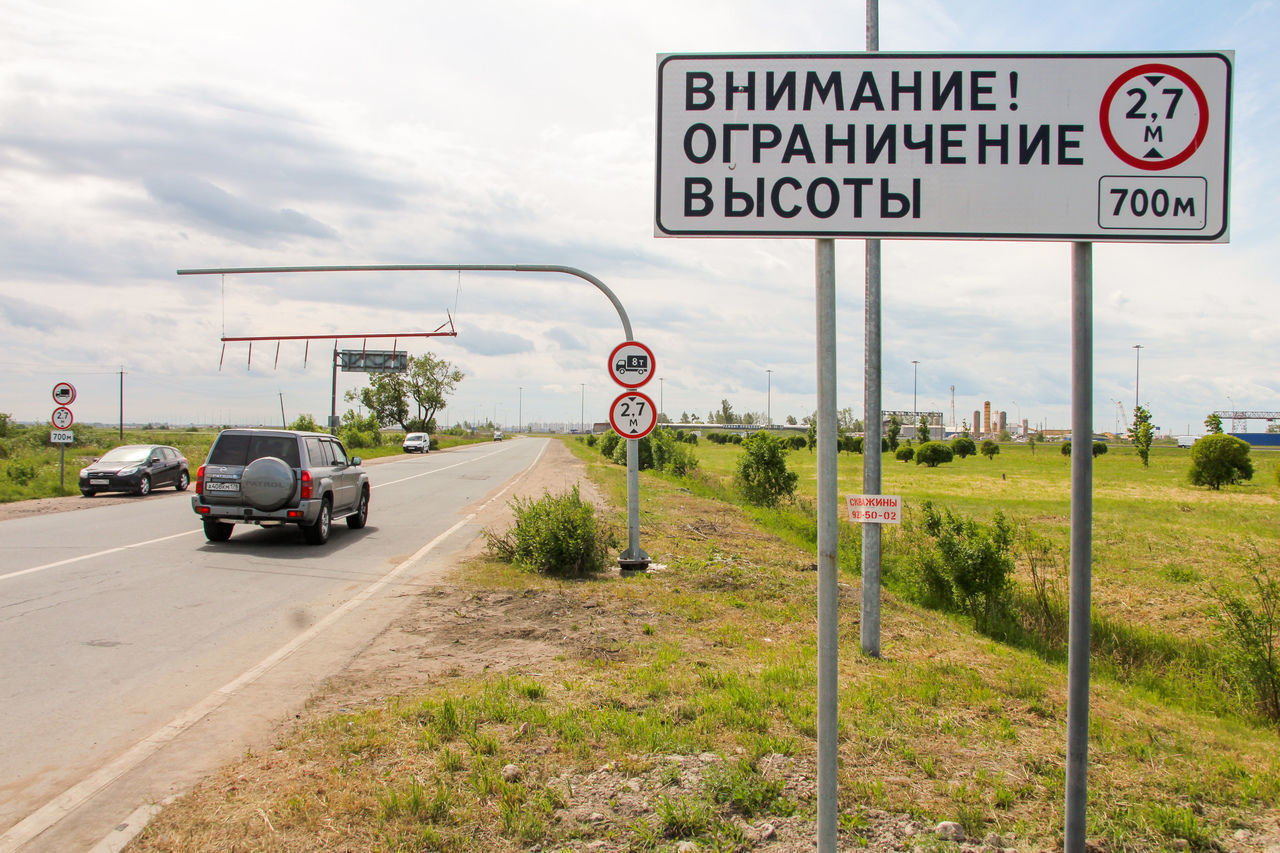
(1159, 543)
(682, 708)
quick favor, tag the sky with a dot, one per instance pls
(139, 138)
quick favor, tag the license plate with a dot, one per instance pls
(99, 482)
(222, 487)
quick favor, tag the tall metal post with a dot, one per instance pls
(768, 404)
(1137, 372)
(122, 402)
(870, 617)
(333, 394)
(828, 633)
(1081, 545)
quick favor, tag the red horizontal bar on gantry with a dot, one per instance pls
(341, 337)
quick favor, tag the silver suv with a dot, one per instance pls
(271, 477)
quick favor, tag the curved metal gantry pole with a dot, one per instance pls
(632, 558)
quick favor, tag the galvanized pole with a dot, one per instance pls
(871, 427)
(333, 393)
(828, 533)
(1081, 545)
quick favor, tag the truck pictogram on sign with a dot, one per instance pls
(631, 364)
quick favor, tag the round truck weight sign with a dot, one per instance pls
(62, 417)
(633, 415)
(631, 364)
(64, 393)
(1154, 116)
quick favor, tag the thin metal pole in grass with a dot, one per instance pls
(1081, 546)
(632, 558)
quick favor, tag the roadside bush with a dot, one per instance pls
(670, 454)
(763, 476)
(989, 448)
(1251, 630)
(1099, 448)
(306, 423)
(933, 453)
(961, 564)
(905, 453)
(608, 442)
(590, 440)
(644, 452)
(555, 535)
(855, 443)
(1219, 459)
(799, 442)
(21, 472)
(963, 446)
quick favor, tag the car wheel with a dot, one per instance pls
(318, 533)
(217, 531)
(184, 479)
(357, 521)
(88, 493)
(144, 486)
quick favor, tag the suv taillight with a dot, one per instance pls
(306, 485)
(200, 480)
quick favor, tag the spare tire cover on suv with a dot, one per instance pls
(267, 483)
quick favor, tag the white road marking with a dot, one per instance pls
(75, 796)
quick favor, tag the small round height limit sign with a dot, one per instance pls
(1154, 116)
(633, 415)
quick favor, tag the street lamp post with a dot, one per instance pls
(582, 410)
(520, 411)
(662, 406)
(769, 397)
(915, 373)
(1137, 364)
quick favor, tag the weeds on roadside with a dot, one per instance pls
(554, 535)
(1251, 627)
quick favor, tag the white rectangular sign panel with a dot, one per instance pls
(875, 509)
(61, 436)
(1127, 147)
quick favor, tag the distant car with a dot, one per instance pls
(136, 468)
(497, 435)
(271, 477)
(417, 442)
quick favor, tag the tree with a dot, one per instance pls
(791, 420)
(762, 474)
(305, 423)
(847, 421)
(895, 427)
(989, 448)
(1213, 423)
(1218, 459)
(964, 429)
(905, 453)
(425, 385)
(933, 453)
(1142, 433)
(811, 437)
(963, 446)
(726, 415)
(922, 429)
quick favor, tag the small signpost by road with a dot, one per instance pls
(64, 393)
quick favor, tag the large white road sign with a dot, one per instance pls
(1129, 147)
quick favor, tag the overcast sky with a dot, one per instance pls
(137, 138)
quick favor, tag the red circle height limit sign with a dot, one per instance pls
(633, 415)
(1160, 121)
(631, 364)
(62, 417)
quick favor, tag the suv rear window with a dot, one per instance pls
(243, 449)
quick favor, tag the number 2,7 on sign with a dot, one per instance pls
(633, 415)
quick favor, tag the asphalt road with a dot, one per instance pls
(134, 655)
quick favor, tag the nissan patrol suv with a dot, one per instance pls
(271, 477)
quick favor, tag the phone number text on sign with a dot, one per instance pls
(875, 509)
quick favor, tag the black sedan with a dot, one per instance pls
(137, 468)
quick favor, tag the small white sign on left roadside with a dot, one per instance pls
(61, 436)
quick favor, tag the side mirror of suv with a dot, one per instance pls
(355, 460)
